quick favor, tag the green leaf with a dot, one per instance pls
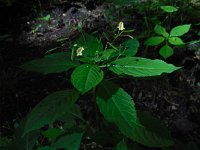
(86, 77)
(180, 30)
(118, 108)
(153, 41)
(168, 9)
(121, 146)
(52, 133)
(46, 18)
(175, 41)
(91, 45)
(74, 112)
(108, 53)
(114, 101)
(53, 63)
(46, 148)
(130, 47)
(50, 108)
(69, 142)
(141, 67)
(71, 122)
(166, 51)
(70, 117)
(28, 141)
(154, 128)
(25, 142)
(161, 31)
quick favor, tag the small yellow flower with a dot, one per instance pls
(79, 51)
(121, 26)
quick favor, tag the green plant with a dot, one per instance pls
(172, 38)
(45, 18)
(91, 62)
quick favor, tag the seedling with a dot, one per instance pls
(172, 38)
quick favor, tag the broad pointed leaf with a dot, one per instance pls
(86, 77)
(168, 9)
(130, 47)
(70, 117)
(69, 142)
(141, 67)
(90, 44)
(75, 112)
(166, 51)
(50, 108)
(161, 30)
(180, 30)
(153, 41)
(25, 142)
(53, 63)
(157, 133)
(118, 108)
(176, 41)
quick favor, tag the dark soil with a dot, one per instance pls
(174, 98)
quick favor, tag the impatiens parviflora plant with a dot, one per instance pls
(90, 63)
(166, 38)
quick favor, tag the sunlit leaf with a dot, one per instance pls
(168, 9)
(141, 67)
(180, 30)
(176, 41)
